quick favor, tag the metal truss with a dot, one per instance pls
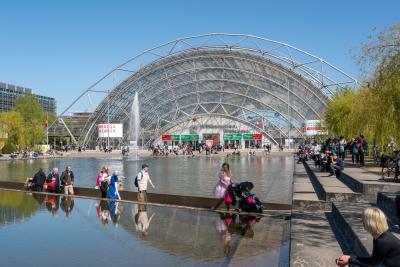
(237, 77)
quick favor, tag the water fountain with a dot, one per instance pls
(134, 127)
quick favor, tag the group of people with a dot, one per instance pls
(357, 148)
(52, 182)
(109, 185)
(325, 161)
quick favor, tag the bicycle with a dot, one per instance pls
(388, 165)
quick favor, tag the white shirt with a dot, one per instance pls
(143, 180)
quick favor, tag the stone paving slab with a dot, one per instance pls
(302, 186)
(304, 194)
(313, 242)
(331, 184)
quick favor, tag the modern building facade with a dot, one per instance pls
(68, 129)
(220, 87)
(9, 94)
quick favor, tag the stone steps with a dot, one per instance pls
(304, 195)
(331, 188)
(387, 203)
(347, 218)
(369, 184)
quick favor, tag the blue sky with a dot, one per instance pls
(59, 48)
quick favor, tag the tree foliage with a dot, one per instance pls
(25, 125)
(14, 126)
(374, 109)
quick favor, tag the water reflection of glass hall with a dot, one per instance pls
(177, 237)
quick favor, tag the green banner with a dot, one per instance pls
(248, 136)
(234, 136)
(175, 137)
(189, 137)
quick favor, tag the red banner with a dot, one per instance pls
(166, 137)
(257, 136)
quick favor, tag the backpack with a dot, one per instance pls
(137, 181)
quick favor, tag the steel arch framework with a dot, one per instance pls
(243, 78)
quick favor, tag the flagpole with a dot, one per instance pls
(47, 128)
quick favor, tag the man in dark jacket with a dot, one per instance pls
(67, 179)
(38, 181)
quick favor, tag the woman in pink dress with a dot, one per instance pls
(225, 179)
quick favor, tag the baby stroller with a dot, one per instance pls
(248, 202)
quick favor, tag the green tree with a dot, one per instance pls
(34, 117)
(14, 126)
(374, 109)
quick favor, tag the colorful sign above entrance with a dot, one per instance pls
(252, 136)
(177, 137)
(234, 136)
(189, 137)
(195, 137)
(170, 137)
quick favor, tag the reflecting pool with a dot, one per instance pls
(40, 230)
(272, 175)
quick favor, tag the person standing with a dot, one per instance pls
(354, 151)
(113, 187)
(224, 180)
(361, 148)
(67, 179)
(342, 147)
(143, 179)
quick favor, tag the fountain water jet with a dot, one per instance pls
(134, 127)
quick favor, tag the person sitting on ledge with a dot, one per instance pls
(337, 166)
(386, 247)
(36, 183)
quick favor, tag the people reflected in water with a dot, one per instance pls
(234, 224)
(103, 212)
(67, 205)
(52, 204)
(142, 221)
(115, 208)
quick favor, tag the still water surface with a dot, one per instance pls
(272, 175)
(39, 230)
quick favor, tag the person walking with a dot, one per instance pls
(224, 180)
(113, 187)
(386, 247)
(143, 179)
(67, 179)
